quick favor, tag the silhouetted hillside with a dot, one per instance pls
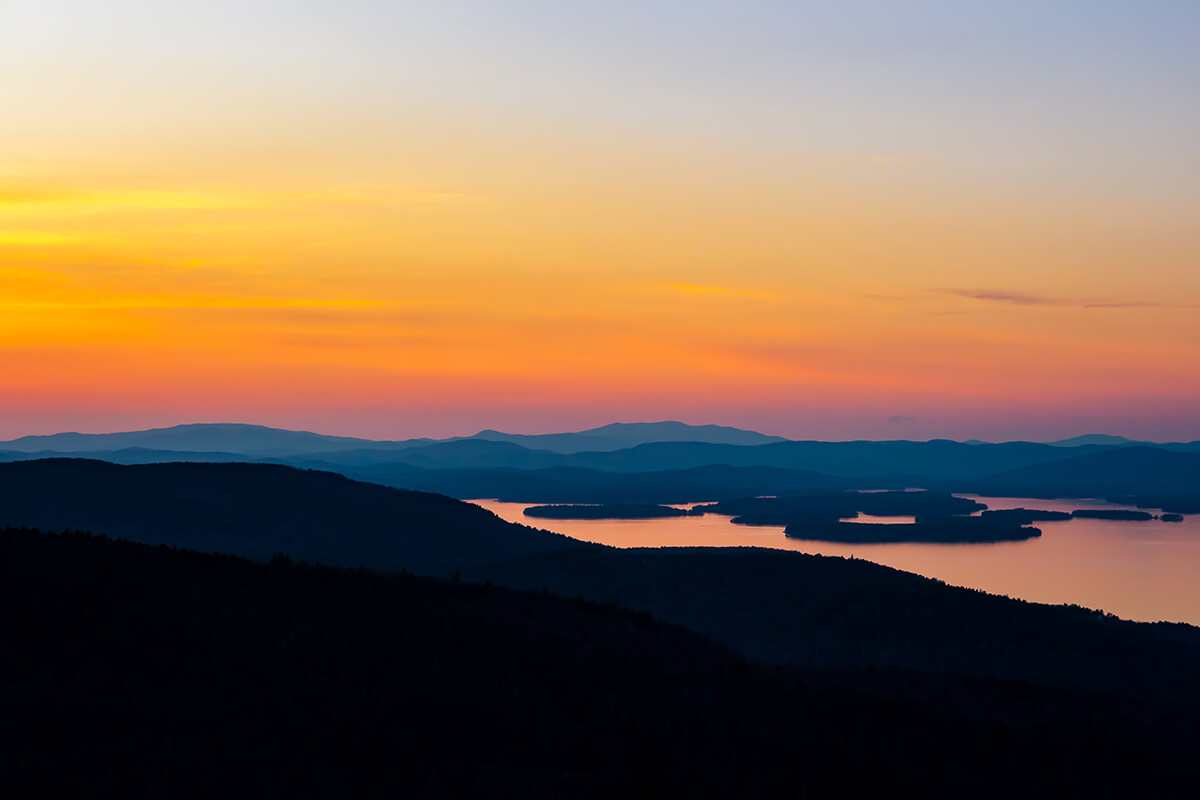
(1127, 471)
(791, 608)
(146, 671)
(257, 510)
(136, 455)
(472, 453)
(575, 485)
(934, 459)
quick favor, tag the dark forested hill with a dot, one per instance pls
(1140, 472)
(873, 460)
(257, 510)
(793, 608)
(578, 485)
(146, 671)
(938, 458)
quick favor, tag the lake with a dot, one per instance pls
(1148, 571)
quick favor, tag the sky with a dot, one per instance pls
(831, 220)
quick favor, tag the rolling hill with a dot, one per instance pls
(148, 671)
(1127, 471)
(258, 510)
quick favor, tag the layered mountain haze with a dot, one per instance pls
(1096, 438)
(621, 435)
(662, 462)
(249, 440)
(259, 440)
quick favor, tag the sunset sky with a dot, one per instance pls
(817, 219)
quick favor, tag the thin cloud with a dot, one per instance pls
(1006, 297)
(1135, 304)
(1019, 299)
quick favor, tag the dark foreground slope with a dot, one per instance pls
(257, 510)
(815, 611)
(153, 672)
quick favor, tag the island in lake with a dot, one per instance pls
(832, 506)
(1113, 513)
(936, 530)
(610, 511)
(1024, 516)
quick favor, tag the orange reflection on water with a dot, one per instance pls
(1138, 570)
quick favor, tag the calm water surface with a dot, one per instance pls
(1146, 571)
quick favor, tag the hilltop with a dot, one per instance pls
(258, 510)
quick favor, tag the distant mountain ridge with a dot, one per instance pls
(1132, 470)
(263, 441)
(1105, 439)
(623, 435)
(235, 438)
(681, 464)
(259, 441)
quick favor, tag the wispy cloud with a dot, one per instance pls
(1006, 297)
(1137, 304)
(1021, 299)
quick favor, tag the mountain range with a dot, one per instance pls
(261, 441)
(662, 462)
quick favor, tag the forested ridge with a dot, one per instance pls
(157, 671)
